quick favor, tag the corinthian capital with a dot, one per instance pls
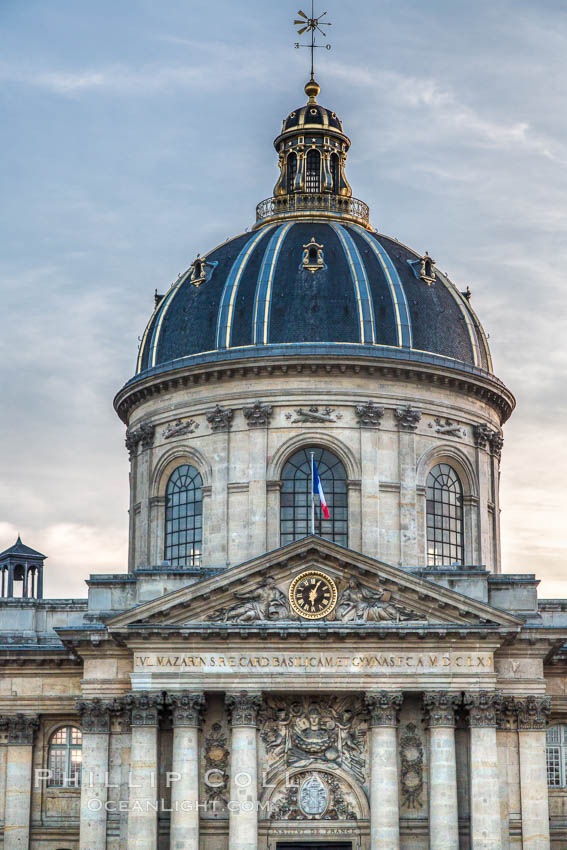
(21, 729)
(484, 707)
(95, 715)
(439, 707)
(145, 708)
(384, 707)
(533, 712)
(186, 708)
(243, 708)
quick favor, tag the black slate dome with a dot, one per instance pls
(312, 277)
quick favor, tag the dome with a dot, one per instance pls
(328, 285)
(313, 277)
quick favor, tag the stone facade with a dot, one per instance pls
(210, 706)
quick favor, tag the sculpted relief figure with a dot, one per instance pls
(360, 604)
(266, 602)
(301, 732)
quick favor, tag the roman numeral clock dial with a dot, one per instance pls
(313, 595)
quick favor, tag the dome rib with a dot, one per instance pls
(230, 291)
(399, 300)
(263, 294)
(362, 291)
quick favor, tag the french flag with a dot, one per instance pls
(318, 491)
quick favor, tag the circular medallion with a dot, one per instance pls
(313, 595)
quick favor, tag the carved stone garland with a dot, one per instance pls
(411, 767)
(217, 756)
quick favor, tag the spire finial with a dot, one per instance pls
(312, 25)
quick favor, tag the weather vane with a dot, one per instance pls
(312, 25)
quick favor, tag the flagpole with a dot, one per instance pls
(312, 494)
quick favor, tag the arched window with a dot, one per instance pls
(291, 172)
(295, 498)
(65, 756)
(313, 172)
(335, 172)
(444, 509)
(557, 756)
(184, 517)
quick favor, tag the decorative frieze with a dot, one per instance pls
(313, 415)
(145, 708)
(369, 414)
(220, 418)
(407, 417)
(533, 712)
(186, 708)
(243, 708)
(179, 428)
(95, 715)
(439, 707)
(484, 707)
(142, 435)
(21, 729)
(258, 415)
(448, 428)
(384, 707)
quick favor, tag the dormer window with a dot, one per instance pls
(313, 256)
(313, 172)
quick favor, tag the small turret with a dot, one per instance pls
(18, 564)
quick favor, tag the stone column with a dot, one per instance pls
(439, 708)
(533, 712)
(186, 713)
(95, 724)
(17, 812)
(142, 814)
(243, 818)
(483, 708)
(384, 708)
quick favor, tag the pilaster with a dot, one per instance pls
(483, 708)
(384, 708)
(243, 708)
(21, 730)
(143, 816)
(439, 708)
(95, 723)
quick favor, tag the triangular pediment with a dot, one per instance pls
(284, 588)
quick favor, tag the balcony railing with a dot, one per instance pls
(297, 205)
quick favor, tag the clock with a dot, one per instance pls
(313, 594)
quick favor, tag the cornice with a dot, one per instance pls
(238, 364)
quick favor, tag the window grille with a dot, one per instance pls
(444, 510)
(184, 517)
(295, 497)
(65, 757)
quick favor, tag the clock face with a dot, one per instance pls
(313, 595)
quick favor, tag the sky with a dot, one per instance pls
(136, 134)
